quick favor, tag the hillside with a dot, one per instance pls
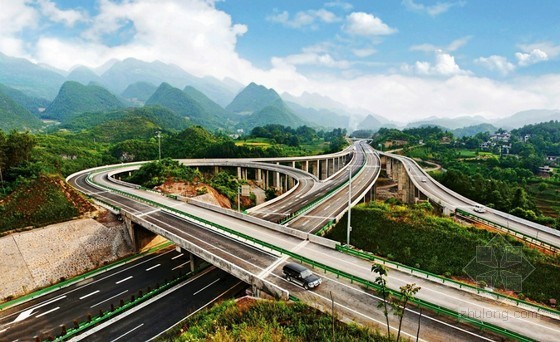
(252, 99)
(42, 201)
(449, 123)
(84, 75)
(29, 78)
(14, 116)
(131, 123)
(273, 114)
(206, 103)
(527, 117)
(181, 103)
(30, 103)
(370, 123)
(319, 117)
(474, 130)
(75, 98)
(139, 92)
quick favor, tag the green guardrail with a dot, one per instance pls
(320, 200)
(103, 316)
(525, 237)
(81, 277)
(368, 284)
(414, 270)
(325, 228)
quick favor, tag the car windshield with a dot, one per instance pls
(305, 273)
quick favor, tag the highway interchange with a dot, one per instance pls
(350, 298)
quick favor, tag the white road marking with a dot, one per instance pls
(126, 333)
(1, 331)
(183, 264)
(123, 280)
(207, 286)
(148, 212)
(48, 312)
(29, 312)
(177, 256)
(151, 268)
(91, 294)
(125, 291)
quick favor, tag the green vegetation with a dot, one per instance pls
(266, 321)
(181, 103)
(15, 116)
(32, 104)
(141, 91)
(414, 236)
(75, 98)
(40, 202)
(157, 172)
(252, 99)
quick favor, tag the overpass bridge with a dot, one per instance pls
(255, 250)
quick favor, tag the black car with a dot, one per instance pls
(301, 275)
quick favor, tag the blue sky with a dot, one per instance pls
(401, 59)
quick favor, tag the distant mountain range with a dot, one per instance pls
(14, 116)
(207, 101)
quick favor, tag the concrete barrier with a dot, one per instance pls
(319, 240)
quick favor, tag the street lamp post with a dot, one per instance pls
(349, 227)
(159, 143)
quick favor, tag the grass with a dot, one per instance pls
(418, 238)
(262, 320)
(547, 200)
(255, 142)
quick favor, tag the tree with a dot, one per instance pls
(408, 292)
(385, 294)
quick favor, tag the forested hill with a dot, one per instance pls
(32, 104)
(137, 123)
(544, 136)
(181, 103)
(252, 99)
(75, 98)
(14, 116)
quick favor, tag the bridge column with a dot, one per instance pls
(331, 167)
(194, 262)
(216, 170)
(239, 172)
(317, 168)
(323, 168)
(306, 166)
(131, 233)
(285, 187)
(294, 164)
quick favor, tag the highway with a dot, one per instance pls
(45, 314)
(437, 192)
(188, 298)
(266, 265)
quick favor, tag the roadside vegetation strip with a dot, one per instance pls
(525, 237)
(83, 326)
(81, 277)
(371, 257)
(367, 283)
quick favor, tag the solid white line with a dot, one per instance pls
(48, 312)
(126, 333)
(125, 291)
(123, 280)
(151, 268)
(1, 331)
(207, 286)
(177, 256)
(91, 294)
(183, 264)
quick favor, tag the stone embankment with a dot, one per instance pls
(41, 257)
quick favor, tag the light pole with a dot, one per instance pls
(239, 198)
(159, 143)
(349, 227)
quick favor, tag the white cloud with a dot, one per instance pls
(365, 24)
(496, 63)
(365, 52)
(451, 47)
(434, 10)
(444, 65)
(552, 50)
(345, 6)
(14, 17)
(304, 18)
(535, 56)
(53, 13)
(310, 58)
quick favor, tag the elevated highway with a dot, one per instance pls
(255, 250)
(451, 202)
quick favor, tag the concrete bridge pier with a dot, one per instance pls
(140, 238)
